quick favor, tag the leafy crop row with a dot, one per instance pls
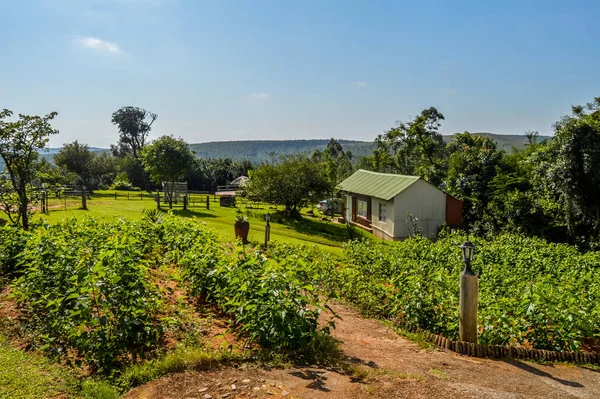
(87, 289)
(531, 292)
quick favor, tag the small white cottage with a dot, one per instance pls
(381, 203)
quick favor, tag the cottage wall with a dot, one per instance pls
(385, 229)
(425, 202)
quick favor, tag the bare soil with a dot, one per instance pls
(383, 365)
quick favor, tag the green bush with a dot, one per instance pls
(272, 302)
(530, 292)
(86, 289)
(13, 241)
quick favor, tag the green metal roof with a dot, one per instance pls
(381, 185)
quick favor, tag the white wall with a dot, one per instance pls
(387, 227)
(348, 215)
(426, 203)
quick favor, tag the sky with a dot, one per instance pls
(239, 70)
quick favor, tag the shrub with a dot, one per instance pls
(530, 292)
(86, 289)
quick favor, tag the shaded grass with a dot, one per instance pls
(29, 375)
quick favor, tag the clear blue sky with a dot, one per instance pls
(230, 70)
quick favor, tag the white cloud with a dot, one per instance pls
(361, 84)
(98, 44)
(259, 96)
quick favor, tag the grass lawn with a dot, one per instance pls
(310, 230)
(28, 375)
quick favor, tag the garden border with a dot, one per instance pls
(502, 351)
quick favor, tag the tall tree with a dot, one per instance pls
(134, 126)
(414, 148)
(571, 174)
(20, 142)
(168, 159)
(337, 162)
(473, 166)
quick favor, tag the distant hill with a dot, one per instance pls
(259, 150)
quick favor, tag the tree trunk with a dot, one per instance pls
(23, 211)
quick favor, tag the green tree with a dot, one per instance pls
(295, 181)
(472, 167)
(570, 173)
(337, 162)
(413, 148)
(167, 159)
(134, 125)
(20, 142)
(77, 158)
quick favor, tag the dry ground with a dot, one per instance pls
(385, 365)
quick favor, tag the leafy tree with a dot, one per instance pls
(77, 159)
(570, 173)
(473, 166)
(134, 125)
(338, 163)
(294, 182)
(20, 142)
(167, 159)
(413, 148)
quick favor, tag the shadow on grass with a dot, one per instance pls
(332, 231)
(189, 213)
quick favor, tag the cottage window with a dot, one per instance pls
(361, 208)
(382, 212)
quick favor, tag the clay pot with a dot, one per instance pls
(241, 231)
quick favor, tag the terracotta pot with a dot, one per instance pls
(241, 231)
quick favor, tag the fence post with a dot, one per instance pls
(267, 229)
(83, 199)
(158, 200)
(207, 202)
(46, 196)
(141, 193)
(185, 201)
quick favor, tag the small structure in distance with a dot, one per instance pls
(380, 203)
(228, 192)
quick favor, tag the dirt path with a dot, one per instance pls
(387, 366)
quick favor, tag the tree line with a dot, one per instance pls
(548, 189)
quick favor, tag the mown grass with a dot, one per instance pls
(309, 230)
(28, 375)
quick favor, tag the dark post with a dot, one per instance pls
(115, 195)
(46, 196)
(207, 202)
(83, 199)
(141, 193)
(267, 229)
(158, 200)
(467, 327)
(185, 201)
